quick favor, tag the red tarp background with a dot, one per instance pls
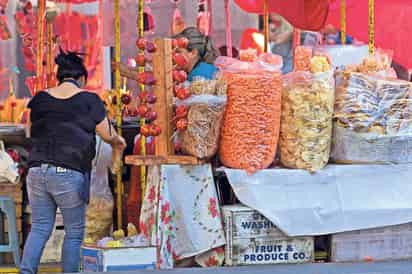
(393, 28)
(303, 14)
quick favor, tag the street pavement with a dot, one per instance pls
(401, 267)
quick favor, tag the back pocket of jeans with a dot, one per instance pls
(69, 191)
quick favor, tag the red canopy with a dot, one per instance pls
(393, 27)
(76, 1)
(303, 14)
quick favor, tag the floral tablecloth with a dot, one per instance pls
(181, 215)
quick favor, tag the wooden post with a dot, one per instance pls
(296, 43)
(228, 30)
(119, 185)
(41, 9)
(142, 88)
(49, 66)
(343, 22)
(266, 24)
(162, 69)
(371, 26)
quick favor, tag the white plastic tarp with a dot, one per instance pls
(337, 199)
(345, 55)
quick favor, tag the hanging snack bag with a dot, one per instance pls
(99, 214)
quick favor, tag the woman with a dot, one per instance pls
(281, 40)
(64, 123)
(200, 54)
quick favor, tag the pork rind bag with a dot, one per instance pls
(99, 214)
(306, 120)
(373, 120)
(205, 116)
(251, 123)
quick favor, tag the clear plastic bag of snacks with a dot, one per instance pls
(248, 55)
(373, 120)
(204, 121)
(302, 58)
(99, 214)
(306, 123)
(200, 85)
(252, 118)
(221, 85)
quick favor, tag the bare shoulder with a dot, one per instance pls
(64, 93)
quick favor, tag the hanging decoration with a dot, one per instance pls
(41, 10)
(178, 23)
(179, 77)
(26, 26)
(51, 13)
(5, 33)
(209, 13)
(202, 21)
(149, 22)
(148, 116)
(228, 29)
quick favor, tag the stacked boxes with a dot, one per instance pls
(388, 243)
(252, 239)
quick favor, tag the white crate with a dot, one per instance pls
(388, 243)
(118, 259)
(252, 239)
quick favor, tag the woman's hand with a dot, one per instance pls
(119, 142)
(109, 135)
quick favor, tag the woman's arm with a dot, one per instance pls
(28, 125)
(125, 71)
(109, 135)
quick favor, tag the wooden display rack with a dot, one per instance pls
(163, 90)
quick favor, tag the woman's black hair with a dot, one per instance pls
(70, 66)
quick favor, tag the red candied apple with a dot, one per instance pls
(155, 130)
(126, 99)
(151, 47)
(181, 111)
(182, 42)
(145, 130)
(142, 110)
(151, 115)
(179, 76)
(141, 43)
(180, 60)
(141, 60)
(181, 124)
(182, 93)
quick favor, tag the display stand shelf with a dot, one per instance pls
(163, 90)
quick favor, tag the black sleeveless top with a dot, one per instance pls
(63, 131)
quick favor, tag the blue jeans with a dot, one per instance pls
(49, 187)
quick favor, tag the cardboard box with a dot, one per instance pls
(118, 259)
(252, 239)
(388, 243)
